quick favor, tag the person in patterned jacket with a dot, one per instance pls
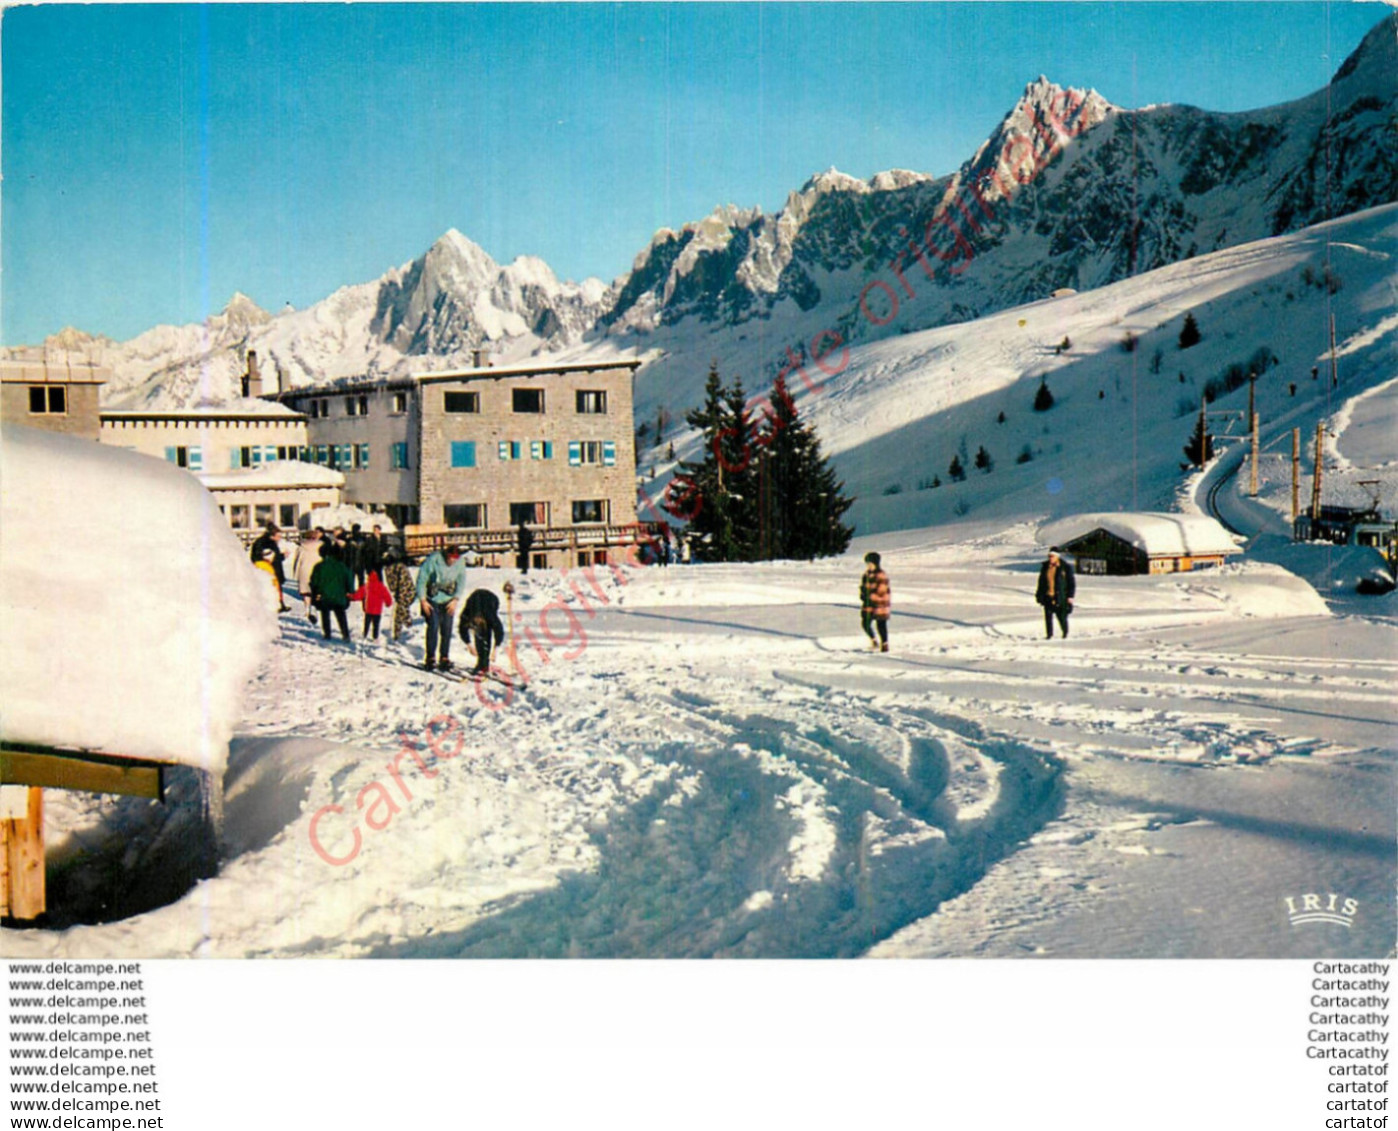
(400, 583)
(875, 601)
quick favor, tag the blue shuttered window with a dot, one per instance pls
(608, 453)
(463, 453)
(574, 453)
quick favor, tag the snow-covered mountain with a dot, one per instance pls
(1067, 192)
(434, 312)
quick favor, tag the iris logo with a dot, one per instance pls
(1328, 908)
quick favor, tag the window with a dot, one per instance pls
(510, 449)
(48, 399)
(529, 400)
(191, 457)
(589, 510)
(363, 406)
(541, 449)
(463, 453)
(288, 515)
(462, 402)
(262, 514)
(400, 403)
(240, 457)
(357, 406)
(349, 406)
(591, 452)
(592, 402)
(361, 457)
(398, 456)
(325, 407)
(536, 514)
(238, 516)
(470, 515)
(322, 455)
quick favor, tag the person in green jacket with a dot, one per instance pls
(441, 584)
(331, 582)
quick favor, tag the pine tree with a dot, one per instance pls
(1200, 448)
(1189, 332)
(694, 494)
(983, 460)
(737, 450)
(1043, 399)
(803, 500)
(955, 470)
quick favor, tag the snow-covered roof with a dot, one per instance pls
(346, 516)
(1153, 533)
(237, 408)
(279, 473)
(174, 618)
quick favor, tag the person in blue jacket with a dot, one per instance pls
(441, 583)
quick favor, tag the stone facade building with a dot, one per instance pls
(467, 455)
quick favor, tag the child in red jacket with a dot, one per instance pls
(376, 597)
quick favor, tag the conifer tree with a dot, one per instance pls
(1200, 448)
(983, 460)
(1189, 332)
(804, 500)
(956, 470)
(694, 494)
(1043, 399)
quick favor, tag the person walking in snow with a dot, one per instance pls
(264, 565)
(307, 558)
(875, 601)
(525, 539)
(331, 582)
(376, 597)
(271, 539)
(481, 626)
(1055, 592)
(399, 580)
(441, 582)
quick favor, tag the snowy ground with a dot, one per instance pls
(712, 764)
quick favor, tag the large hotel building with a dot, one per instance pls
(465, 456)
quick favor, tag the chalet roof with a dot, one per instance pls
(1154, 533)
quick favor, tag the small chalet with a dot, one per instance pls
(1140, 542)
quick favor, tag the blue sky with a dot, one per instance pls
(158, 158)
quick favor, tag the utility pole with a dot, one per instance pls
(1334, 362)
(1252, 424)
(1315, 479)
(1295, 476)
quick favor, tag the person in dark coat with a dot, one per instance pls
(1055, 592)
(875, 601)
(371, 552)
(355, 560)
(331, 582)
(526, 543)
(271, 539)
(480, 626)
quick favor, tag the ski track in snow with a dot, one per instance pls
(723, 772)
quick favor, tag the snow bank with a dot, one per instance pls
(133, 618)
(1152, 532)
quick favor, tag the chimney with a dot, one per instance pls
(252, 380)
(475, 359)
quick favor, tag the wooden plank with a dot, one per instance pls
(4, 869)
(25, 860)
(95, 773)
